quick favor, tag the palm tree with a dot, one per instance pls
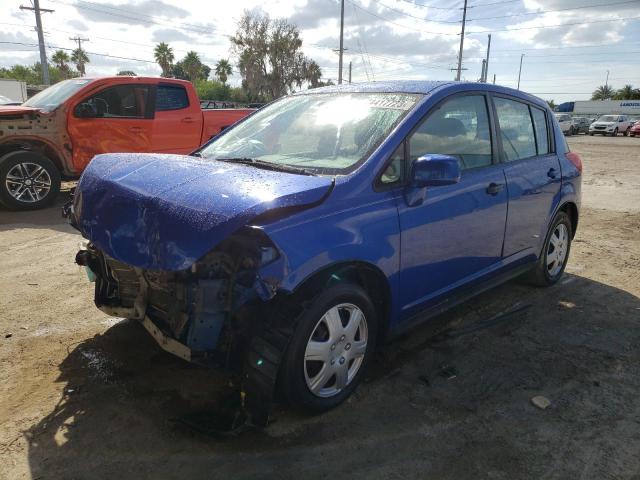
(163, 54)
(80, 58)
(313, 73)
(192, 65)
(625, 93)
(603, 92)
(223, 70)
(61, 60)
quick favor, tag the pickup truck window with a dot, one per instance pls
(171, 97)
(55, 95)
(120, 101)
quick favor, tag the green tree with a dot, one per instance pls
(212, 90)
(80, 59)
(270, 58)
(313, 74)
(192, 65)
(551, 103)
(627, 93)
(60, 60)
(163, 55)
(603, 92)
(127, 73)
(223, 70)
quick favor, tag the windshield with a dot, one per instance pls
(323, 133)
(608, 118)
(52, 97)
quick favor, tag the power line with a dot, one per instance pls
(434, 7)
(553, 11)
(553, 26)
(43, 53)
(88, 53)
(414, 16)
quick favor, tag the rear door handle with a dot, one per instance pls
(187, 120)
(136, 129)
(495, 188)
(552, 173)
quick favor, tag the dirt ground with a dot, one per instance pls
(86, 396)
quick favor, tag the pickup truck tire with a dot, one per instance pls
(28, 180)
(339, 348)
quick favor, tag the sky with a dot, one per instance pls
(568, 45)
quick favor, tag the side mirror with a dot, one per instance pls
(85, 110)
(433, 170)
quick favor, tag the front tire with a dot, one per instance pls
(626, 132)
(28, 180)
(330, 349)
(615, 133)
(555, 253)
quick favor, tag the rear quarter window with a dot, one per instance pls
(171, 97)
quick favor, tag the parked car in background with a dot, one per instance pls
(296, 241)
(565, 122)
(58, 131)
(579, 125)
(634, 131)
(611, 125)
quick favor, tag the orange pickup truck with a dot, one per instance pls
(57, 132)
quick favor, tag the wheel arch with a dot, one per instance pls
(571, 209)
(364, 274)
(39, 146)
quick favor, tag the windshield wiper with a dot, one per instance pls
(278, 167)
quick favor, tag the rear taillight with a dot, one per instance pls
(575, 159)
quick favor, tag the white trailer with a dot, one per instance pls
(604, 107)
(13, 89)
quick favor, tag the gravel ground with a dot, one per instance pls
(83, 395)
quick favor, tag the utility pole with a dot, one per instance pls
(341, 40)
(486, 66)
(606, 82)
(78, 39)
(349, 72)
(464, 19)
(43, 53)
(483, 71)
(520, 71)
(494, 78)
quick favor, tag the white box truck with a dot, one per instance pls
(14, 90)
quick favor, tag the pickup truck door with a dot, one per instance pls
(115, 119)
(177, 127)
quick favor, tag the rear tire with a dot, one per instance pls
(312, 385)
(555, 253)
(28, 180)
(626, 132)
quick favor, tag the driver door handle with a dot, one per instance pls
(136, 129)
(552, 173)
(187, 120)
(495, 188)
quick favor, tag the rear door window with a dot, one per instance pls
(120, 101)
(542, 133)
(171, 97)
(460, 128)
(516, 129)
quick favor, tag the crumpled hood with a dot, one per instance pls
(12, 110)
(163, 212)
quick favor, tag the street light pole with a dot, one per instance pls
(341, 41)
(520, 71)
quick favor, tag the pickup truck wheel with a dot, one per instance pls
(555, 253)
(28, 180)
(330, 349)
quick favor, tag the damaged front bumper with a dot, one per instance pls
(204, 314)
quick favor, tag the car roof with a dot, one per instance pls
(424, 87)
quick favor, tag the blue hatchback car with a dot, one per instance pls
(293, 243)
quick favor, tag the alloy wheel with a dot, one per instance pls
(335, 350)
(28, 182)
(557, 249)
